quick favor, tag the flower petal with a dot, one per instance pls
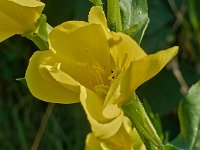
(121, 140)
(147, 67)
(47, 83)
(18, 16)
(87, 54)
(102, 127)
(124, 49)
(139, 72)
(92, 142)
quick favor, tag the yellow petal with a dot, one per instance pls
(125, 139)
(136, 140)
(121, 140)
(47, 83)
(138, 72)
(124, 50)
(18, 16)
(147, 67)
(86, 54)
(92, 143)
(93, 106)
(97, 16)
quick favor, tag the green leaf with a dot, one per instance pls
(96, 2)
(136, 113)
(134, 14)
(189, 117)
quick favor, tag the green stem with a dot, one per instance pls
(40, 43)
(134, 110)
(114, 15)
(97, 2)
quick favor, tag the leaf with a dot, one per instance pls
(170, 147)
(134, 14)
(136, 113)
(189, 116)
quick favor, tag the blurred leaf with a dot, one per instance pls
(189, 116)
(162, 92)
(193, 15)
(170, 147)
(135, 19)
(136, 113)
(159, 34)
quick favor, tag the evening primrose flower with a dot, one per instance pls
(18, 16)
(87, 63)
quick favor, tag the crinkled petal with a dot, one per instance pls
(18, 16)
(48, 82)
(85, 51)
(138, 72)
(93, 106)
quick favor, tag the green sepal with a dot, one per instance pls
(40, 35)
(134, 110)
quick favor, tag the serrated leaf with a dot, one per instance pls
(136, 113)
(189, 116)
(134, 14)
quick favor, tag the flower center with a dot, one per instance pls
(98, 74)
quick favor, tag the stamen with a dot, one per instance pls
(113, 74)
(96, 69)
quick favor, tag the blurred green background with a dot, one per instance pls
(172, 22)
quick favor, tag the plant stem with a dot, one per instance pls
(114, 15)
(43, 125)
(97, 2)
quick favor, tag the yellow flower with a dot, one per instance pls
(87, 63)
(18, 16)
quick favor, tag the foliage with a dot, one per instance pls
(189, 117)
